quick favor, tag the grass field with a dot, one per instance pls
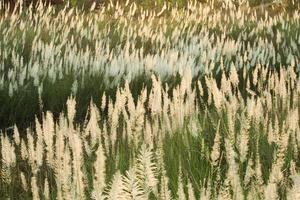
(129, 101)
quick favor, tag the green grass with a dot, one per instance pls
(23, 106)
(183, 150)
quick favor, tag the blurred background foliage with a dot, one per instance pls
(152, 4)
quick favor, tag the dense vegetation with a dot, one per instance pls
(97, 37)
(125, 101)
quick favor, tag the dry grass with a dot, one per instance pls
(226, 128)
